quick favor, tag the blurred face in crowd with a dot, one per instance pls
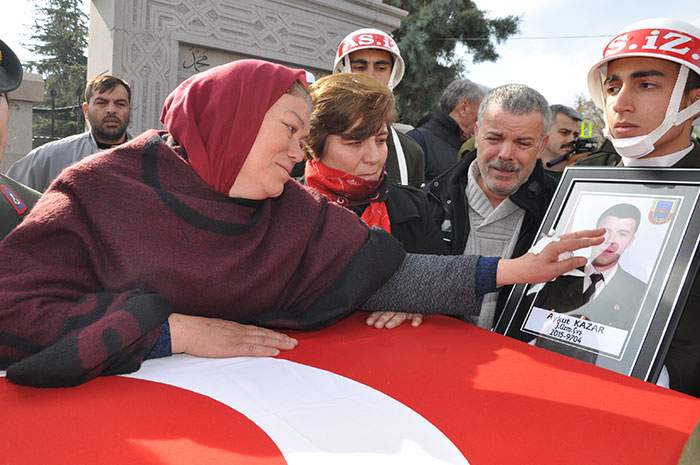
(562, 134)
(108, 114)
(276, 149)
(637, 91)
(372, 62)
(362, 158)
(4, 122)
(465, 113)
(619, 235)
(507, 149)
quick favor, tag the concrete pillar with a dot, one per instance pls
(22, 100)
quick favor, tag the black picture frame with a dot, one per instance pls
(667, 255)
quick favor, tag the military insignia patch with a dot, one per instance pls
(662, 211)
(15, 201)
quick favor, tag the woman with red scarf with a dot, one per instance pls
(195, 238)
(347, 150)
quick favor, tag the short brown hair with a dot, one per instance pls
(104, 83)
(340, 102)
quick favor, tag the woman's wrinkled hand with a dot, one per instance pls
(391, 320)
(546, 265)
(216, 338)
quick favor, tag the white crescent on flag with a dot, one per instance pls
(312, 415)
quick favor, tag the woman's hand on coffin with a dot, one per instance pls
(391, 320)
(213, 337)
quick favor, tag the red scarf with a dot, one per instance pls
(347, 190)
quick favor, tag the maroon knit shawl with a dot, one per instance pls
(127, 236)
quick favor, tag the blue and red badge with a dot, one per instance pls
(662, 211)
(14, 200)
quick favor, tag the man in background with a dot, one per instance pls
(566, 128)
(492, 202)
(445, 131)
(374, 53)
(107, 108)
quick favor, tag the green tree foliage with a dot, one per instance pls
(60, 39)
(428, 39)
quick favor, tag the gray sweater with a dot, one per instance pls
(448, 285)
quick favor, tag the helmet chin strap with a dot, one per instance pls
(637, 147)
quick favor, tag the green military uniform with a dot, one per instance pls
(683, 359)
(17, 200)
(467, 146)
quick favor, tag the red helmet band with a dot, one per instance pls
(664, 43)
(365, 40)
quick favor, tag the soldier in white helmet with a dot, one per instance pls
(375, 53)
(648, 85)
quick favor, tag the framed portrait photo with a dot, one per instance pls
(621, 309)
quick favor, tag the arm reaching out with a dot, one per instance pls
(546, 265)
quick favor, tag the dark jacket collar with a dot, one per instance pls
(445, 127)
(400, 205)
(449, 189)
(692, 159)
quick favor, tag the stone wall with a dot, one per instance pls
(156, 44)
(19, 134)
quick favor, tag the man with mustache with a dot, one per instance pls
(107, 108)
(492, 201)
(566, 127)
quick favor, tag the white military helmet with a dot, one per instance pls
(369, 38)
(666, 39)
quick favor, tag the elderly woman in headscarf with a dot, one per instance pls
(196, 238)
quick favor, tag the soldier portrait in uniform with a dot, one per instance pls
(617, 310)
(602, 291)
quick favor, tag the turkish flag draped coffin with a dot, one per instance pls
(446, 392)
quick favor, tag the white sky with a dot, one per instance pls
(556, 66)
(16, 24)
